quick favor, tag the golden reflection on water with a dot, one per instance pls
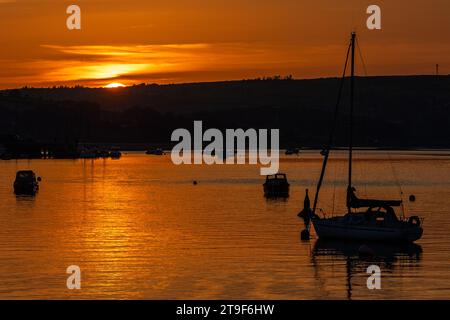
(138, 228)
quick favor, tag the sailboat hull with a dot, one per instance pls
(331, 229)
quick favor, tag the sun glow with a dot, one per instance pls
(115, 85)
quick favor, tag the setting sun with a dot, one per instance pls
(115, 85)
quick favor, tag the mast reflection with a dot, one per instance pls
(357, 256)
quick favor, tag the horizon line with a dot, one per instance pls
(269, 78)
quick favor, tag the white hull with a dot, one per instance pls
(331, 229)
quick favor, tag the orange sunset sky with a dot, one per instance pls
(174, 41)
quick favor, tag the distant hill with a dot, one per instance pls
(401, 111)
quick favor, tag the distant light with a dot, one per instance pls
(115, 85)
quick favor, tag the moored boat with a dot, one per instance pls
(365, 219)
(292, 151)
(380, 224)
(115, 153)
(26, 183)
(155, 152)
(276, 186)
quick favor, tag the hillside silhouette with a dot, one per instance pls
(390, 112)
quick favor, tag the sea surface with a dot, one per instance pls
(139, 228)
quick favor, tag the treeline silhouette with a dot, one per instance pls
(390, 112)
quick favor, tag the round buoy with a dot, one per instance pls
(412, 198)
(304, 235)
(195, 182)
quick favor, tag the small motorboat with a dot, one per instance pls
(276, 186)
(155, 152)
(26, 183)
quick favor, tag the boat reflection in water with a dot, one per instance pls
(358, 256)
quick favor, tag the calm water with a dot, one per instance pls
(138, 228)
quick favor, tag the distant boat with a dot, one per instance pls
(292, 151)
(26, 183)
(155, 152)
(103, 154)
(88, 154)
(276, 186)
(379, 221)
(115, 153)
(6, 156)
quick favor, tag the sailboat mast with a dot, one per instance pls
(350, 148)
(333, 128)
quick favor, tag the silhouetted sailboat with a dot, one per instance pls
(379, 221)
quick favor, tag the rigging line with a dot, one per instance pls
(398, 183)
(361, 57)
(395, 174)
(333, 128)
(352, 104)
(334, 188)
(362, 169)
